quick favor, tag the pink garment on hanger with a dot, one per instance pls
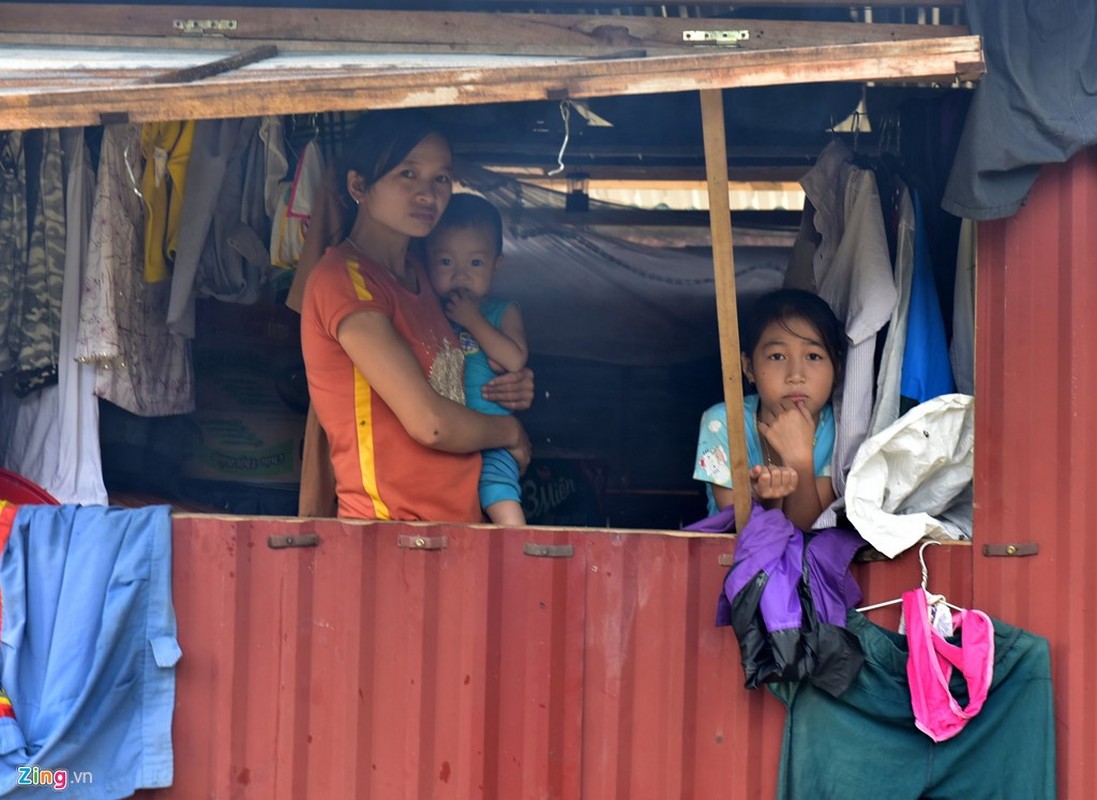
(931, 659)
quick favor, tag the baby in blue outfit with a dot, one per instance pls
(463, 253)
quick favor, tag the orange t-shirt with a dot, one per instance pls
(380, 471)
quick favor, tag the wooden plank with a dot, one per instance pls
(284, 88)
(221, 65)
(434, 31)
(727, 314)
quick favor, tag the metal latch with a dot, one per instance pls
(548, 550)
(1020, 549)
(716, 37)
(201, 27)
(422, 542)
(299, 540)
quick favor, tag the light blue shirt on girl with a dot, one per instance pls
(713, 463)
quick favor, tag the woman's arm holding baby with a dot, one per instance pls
(389, 366)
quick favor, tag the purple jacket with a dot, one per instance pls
(787, 600)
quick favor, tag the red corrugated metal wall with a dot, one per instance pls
(361, 669)
(1036, 435)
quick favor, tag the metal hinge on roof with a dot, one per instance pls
(716, 37)
(204, 27)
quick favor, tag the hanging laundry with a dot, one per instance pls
(306, 180)
(32, 228)
(962, 347)
(325, 228)
(272, 134)
(90, 646)
(927, 371)
(852, 268)
(140, 365)
(889, 374)
(52, 436)
(1035, 105)
(40, 312)
(287, 234)
(930, 661)
(11, 736)
(801, 272)
(223, 251)
(864, 744)
(14, 237)
(298, 202)
(166, 147)
(914, 364)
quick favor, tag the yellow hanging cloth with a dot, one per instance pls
(166, 147)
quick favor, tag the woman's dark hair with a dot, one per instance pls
(785, 304)
(378, 142)
(470, 211)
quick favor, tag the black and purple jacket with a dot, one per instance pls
(786, 595)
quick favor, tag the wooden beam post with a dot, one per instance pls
(727, 315)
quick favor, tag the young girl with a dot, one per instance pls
(793, 349)
(385, 371)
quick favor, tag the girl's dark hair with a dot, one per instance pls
(466, 211)
(785, 304)
(378, 142)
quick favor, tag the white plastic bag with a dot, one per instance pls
(913, 479)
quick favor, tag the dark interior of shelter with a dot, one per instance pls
(619, 389)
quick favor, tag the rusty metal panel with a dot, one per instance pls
(355, 660)
(1036, 434)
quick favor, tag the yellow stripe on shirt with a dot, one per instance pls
(363, 412)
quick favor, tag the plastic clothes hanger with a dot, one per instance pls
(930, 597)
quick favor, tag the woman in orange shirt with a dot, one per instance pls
(384, 370)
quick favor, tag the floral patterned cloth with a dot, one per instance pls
(140, 365)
